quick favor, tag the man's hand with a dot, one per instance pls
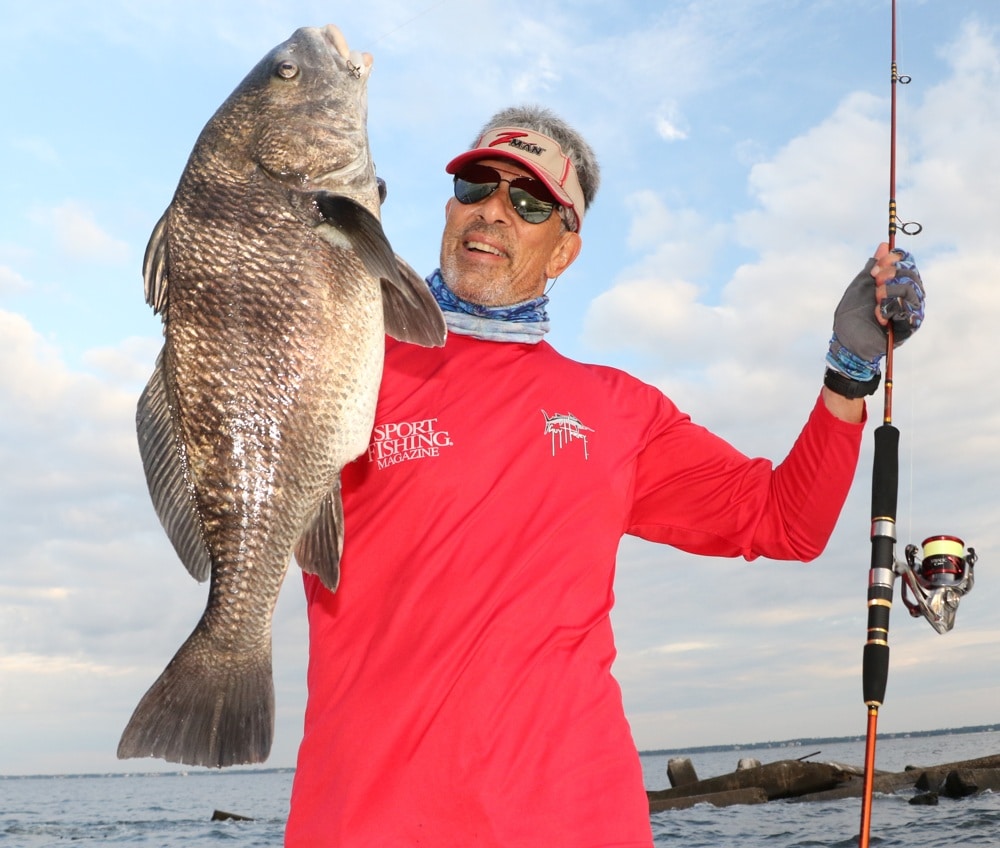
(899, 293)
(887, 289)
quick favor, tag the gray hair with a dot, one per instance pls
(545, 121)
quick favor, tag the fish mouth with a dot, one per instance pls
(336, 176)
(357, 61)
(335, 38)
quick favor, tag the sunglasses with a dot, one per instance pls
(529, 197)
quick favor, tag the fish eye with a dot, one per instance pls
(287, 69)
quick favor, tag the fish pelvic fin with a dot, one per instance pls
(166, 478)
(411, 313)
(318, 550)
(207, 708)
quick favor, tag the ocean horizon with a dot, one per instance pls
(721, 747)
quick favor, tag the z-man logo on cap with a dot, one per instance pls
(513, 139)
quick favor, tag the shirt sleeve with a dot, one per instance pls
(696, 492)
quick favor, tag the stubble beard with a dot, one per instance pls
(477, 287)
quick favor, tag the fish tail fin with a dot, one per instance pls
(205, 709)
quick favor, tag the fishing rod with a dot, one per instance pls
(943, 574)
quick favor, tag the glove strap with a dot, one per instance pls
(848, 388)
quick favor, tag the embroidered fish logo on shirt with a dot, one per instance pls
(565, 428)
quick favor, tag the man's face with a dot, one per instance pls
(491, 256)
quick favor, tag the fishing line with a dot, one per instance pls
(905, 120)
(913, 426)
(409, 21)
(933, 584)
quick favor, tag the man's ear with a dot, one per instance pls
(563, 254)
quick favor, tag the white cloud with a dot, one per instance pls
(55, 666)
(40, 149)
(77, 234)
(670, 123)
(670, 131)
(11, 281)
(825, 186)
(662, 316)
(129, 364)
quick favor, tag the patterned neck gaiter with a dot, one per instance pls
(524, 322)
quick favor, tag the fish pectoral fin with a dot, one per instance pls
(164, 465)
(154, 267)
(318, 550)
(345, 223)
(410, 311)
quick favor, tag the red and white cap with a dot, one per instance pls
(539, 154)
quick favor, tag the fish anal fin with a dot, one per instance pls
(320, 546)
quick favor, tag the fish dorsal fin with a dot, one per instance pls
(318, 550)
(163, 462)
(154, 266)
(410, 311)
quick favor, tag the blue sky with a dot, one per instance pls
(744, 147)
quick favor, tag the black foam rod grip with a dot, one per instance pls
(874, 674)
(885, 472)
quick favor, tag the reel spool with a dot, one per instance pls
(937, 580)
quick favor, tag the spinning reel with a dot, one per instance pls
(937, 580)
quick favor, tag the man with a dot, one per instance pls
(460, 688)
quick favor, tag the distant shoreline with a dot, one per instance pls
(817, 740)
(196, 771)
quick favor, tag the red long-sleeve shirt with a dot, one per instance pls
(460, 687)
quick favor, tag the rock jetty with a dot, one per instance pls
(816, 781)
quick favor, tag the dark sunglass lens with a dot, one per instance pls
(528, 205)
(476, 173)
(467, 192)
(536, 188)
(475, 182)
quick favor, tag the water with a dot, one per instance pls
(164, 810)
(174, 810)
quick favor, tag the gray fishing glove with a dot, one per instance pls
(859, 340)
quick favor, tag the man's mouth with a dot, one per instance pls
(482, 247)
